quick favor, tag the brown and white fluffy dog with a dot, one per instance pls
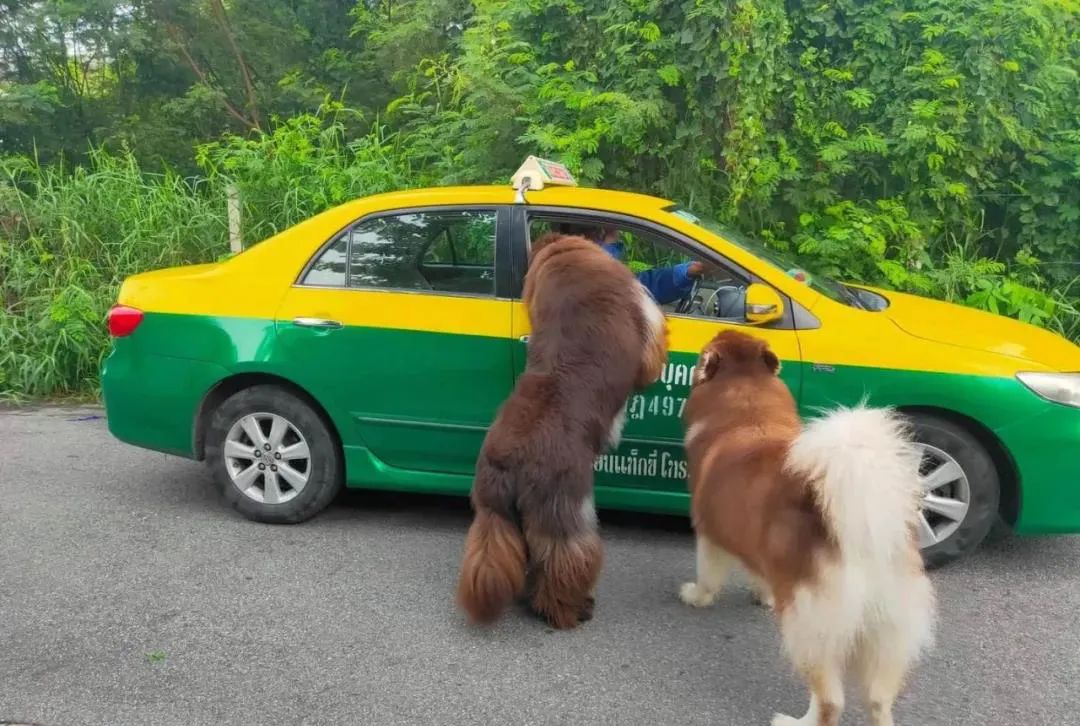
(822, 517)
(596, 336)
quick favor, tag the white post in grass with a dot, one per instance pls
(235, 240)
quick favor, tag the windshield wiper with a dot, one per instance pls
(852, 296)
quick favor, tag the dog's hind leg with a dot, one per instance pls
(588, 515)
(826, 681)
(883, 659)
(713, 565)
(819, 625)
(567, 554)
(566, 572)
(887, 651)
(882, 673)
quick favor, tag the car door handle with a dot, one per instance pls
(317, 323)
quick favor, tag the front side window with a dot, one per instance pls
(444, 251)
(683, 283)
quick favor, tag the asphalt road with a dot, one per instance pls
(130, 595)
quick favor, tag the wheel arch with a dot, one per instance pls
(1008, 473)
(235, 383)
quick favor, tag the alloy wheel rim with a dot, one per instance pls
(267, 458)
(946, 496)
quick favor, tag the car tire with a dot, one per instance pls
(959, 470)
(273, 457)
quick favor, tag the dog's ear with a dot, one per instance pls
(707, 363)
(771, 361)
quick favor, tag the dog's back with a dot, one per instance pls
(595, 336)
(585, 354)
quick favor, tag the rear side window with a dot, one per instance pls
(441, 252)
(331, 267)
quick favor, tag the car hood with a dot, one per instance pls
(966, 327)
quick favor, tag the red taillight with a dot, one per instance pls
(123, 320)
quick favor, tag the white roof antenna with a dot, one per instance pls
(536, 173)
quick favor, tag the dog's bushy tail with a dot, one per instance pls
(875, 601)
(493, 568)
(863, 467)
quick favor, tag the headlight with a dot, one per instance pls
(1057, 387)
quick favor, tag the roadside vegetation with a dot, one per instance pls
(923, 146)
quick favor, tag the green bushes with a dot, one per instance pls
(921, 145)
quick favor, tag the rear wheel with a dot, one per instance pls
(273, 457)
(961, 490)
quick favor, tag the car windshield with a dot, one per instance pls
(780, 260)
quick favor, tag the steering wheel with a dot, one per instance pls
(728, 302)
(687, 302)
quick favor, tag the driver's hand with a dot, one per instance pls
(696, 269)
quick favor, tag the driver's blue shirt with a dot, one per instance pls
(665, 284)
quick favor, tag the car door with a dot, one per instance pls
(650, 458)
(396, 327)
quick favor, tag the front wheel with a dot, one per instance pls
(961, 490)
(272, 456)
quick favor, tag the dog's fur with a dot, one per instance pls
(823, 519)
(596, 336)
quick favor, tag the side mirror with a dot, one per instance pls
(763, 304)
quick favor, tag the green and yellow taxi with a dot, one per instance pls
(371, 345)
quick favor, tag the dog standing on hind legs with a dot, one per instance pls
(596, 336)
(822, 517)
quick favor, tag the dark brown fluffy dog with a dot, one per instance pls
(596, 336)
(823, 518)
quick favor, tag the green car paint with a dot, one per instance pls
(422, 402)
(413, 416)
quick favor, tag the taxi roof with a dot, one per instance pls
(577, 196)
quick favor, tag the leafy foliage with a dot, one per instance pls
(919, 145)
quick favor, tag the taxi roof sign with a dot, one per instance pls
(535, 173)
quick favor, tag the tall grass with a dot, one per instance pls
(67, 239)
(305, 165)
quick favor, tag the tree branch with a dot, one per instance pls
(233, 111)
(253, 101)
